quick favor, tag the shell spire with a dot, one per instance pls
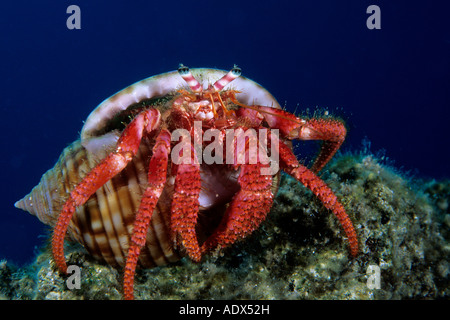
(25, 204)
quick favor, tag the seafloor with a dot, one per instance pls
(300, 252)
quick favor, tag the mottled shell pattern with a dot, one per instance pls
(104, 224)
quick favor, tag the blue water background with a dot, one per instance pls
(391, 85)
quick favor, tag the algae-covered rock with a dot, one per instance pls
(299, 252)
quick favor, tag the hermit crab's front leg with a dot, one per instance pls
(250, 205)
(115, 162)
(157, 173)
(246, 211)
(290, 127)
(310, 180)
(185, 205)
(331, 131)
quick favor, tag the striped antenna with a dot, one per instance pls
(189, 78)
(226, 79)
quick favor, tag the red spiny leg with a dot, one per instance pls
(157, 173)
(246, 211)
(331, 131)
(185, 207)
(310, 180)
(114, 163)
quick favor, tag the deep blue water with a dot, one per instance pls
(391, 85)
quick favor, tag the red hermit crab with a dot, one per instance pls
(178, 164)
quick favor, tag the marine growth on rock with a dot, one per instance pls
(402, 224)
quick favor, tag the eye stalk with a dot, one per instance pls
(196, 87)
(226, 79)
(186, 74)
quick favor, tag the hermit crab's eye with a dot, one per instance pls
(236, 71)
(182, 69)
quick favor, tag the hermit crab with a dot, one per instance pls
(178, 165)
